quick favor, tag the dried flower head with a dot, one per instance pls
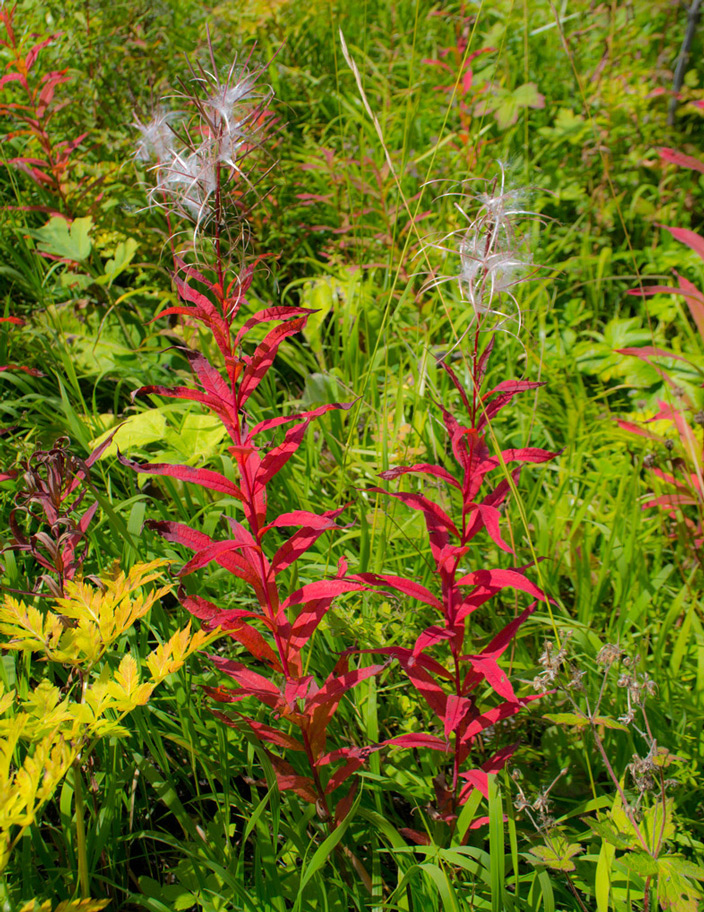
(156, 139)
(493, 251)
(609, 654)
(198, 152)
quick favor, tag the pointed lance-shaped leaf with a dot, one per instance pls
(264, 355)
(206, 478)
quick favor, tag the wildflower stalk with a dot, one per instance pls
(81, 844)
(279, 629)
(488, 269)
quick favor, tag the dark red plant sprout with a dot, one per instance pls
(480, 485)
(49, 522)
(31, 111)
(682, 479)
(277, 630)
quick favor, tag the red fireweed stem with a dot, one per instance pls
(322, 797)
(218, 219)
(248, 491)
(456, 761)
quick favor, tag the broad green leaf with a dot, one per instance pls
(610, 835)
(557, 854)
(68, 241)
(607, 722)
(568, 719)
(124, 253)
(675, 892)
(136, 432)
(602, 879)
(640, 864)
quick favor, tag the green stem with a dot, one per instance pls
(81, 847)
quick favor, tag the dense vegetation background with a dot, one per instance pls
(354, 202)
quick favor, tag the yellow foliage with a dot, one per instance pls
(90, 619)
(170, 656)
(68, 905)
(42, 735)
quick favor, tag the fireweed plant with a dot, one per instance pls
(49, 522)
(277, 631)
(453, 683)
(197, 184)
(30, 109)
(682, 478)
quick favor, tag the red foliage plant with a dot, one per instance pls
(284, 622)
(276, 632)
(684, 483)
(451, 690)
(54, 486)
(33, 113)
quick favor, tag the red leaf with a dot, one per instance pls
(694, 241)
(426, 686)
(415, 836)
(503, 394)
(421, 468)
(495, 580)
(486, 668)
(684, 161)
(297, 545)
(264, 355)
(272, 423)
(214, 550)
(305, 518)
(266, 732)
(317, 598)
(206, 478)
(695, 302)
(33, 53)
(419, 740)
(489, 517)
(320, 589)
(401, 584)
(191, 538)
(456, 711)
(279, 455)
(225, 410)
(406, 655)
(251, 683)
(479, 778)
(429, 637)
(344, 805)
(492, 716)
(267, 315)
(289, 780)
(435, 516)
(337, 685)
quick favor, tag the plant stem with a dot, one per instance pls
(81, 847)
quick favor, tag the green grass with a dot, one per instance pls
(184, 813)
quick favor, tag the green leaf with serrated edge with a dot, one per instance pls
(652, 823)
(685, 868)
(567, 719)
(640, 864)
(69, 242)
(607, 722)
(557, 855)
(675, 892)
